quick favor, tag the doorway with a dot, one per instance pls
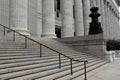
(58, 32)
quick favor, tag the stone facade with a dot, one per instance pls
(69, 18)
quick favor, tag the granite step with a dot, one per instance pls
(49, 72)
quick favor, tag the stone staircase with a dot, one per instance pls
(19, 63)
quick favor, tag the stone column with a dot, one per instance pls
(103, 17)
(106, 19)
(86, 12)
(18, 16)
(118, 27)
(99, 6)
(109, 22)
(112, 27)
(48, 19)
(79, 27)
(67, 18)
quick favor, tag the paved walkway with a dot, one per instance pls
(110, 71)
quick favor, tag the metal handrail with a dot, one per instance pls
(26, 37)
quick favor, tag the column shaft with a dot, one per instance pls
(79, 27)
(103, 21)
(48, 19)
(67, 18)
(18, 15)
(86, 12)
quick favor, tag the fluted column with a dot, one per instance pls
(67, 18)
(99, 6)
(118, 27)
(86, 12)
(106, 19)
(48, 19)
(112, 27)
(109, 22)
(103, 21)
(79, 27)
(18, 16)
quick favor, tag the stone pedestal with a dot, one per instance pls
(67, 18)
(48, 19)
(91, 44)
(18, 16)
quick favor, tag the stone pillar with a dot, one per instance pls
(118, 30)
(18, 16)
(103, 17)
(106, 19)
(86, 12)
(112, 24)
(48, 19)
(79, 27)
(67, 18)
(109, 21)
(99, 6)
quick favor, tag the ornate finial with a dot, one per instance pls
(95, 25)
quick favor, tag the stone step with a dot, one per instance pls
(25, 54)
(20, 61)
(28, 72)
(22, 55)
(65, 73)
(19, 49)
(27, 67)
(78, 77)
(6, 61)
(6, 70)
(34, 76)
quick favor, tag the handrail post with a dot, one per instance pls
(71, 67)
(4, 31)
(59, 60)
(85, 72)
(25, 42)
(40, 50)
(13, 35)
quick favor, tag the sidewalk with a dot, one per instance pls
(111, 71)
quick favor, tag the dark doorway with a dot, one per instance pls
(58, 32)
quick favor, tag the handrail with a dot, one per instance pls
(26, 37)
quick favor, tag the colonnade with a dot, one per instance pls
(109, 18)
(68, 28)
(18, 17)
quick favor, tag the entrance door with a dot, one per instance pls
(58, 32)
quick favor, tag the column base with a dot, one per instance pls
(20, 30)
(48, 36)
